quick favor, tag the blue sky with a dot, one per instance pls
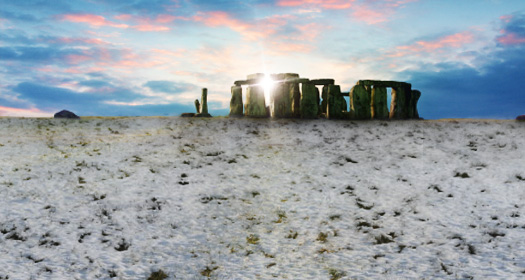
(152, 57)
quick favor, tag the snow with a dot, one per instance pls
(220, 198)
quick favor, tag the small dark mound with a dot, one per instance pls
(520, 118)
(187, 115)
(65, 114)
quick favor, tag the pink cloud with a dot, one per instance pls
(17, 112)
(369, 15)
(150, 27)
(511, 39)
(377, 11)
(93, 20)
(451, 41)
(325, 4)
(77, 59)
(88, 41)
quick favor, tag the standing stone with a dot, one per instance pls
(318, 95)
(398, 105)
(204, 101)
(309, 101)
(281, 101)
(236, 102)
(295, 95)
(335, 102)
(324, 102)
(360, 103)
(255, 104)
(378, 103)
(203, 106)
(416, 94)
(197, 106)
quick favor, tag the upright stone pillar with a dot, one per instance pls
(203, 105)
(295, 95)
(378, 103)
(360, 103)
(204, 101)
(255, 104)
(335, 104)
(281, 102)
(416, 94)
(324, 102)
(398, 108)
(319, 106)
(309, 101)
(197, 106)
(236, 102)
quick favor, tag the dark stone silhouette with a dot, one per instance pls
(520, 118)
(187, 115)
(65, 114)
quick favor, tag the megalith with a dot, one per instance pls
(398, 105)
(360, 103)
(309, 101)
(203, 105)
(324, 101)
(255, 104)
(379, 103)
(197, 106)
(414, 98)
(236, 102)
(295, 95)
(281, 101)
(335, 102)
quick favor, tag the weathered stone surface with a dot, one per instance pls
(204, 101)
(399, 103)
(236, 106)
(281, 101)
(318, 95)
(378, 83)
(309, 101)
(281, 77)
(295, 94)
(414, 98)
(324, 101)
(255, 103)
(336, 102)
(360, 103)
(297, 80)
(323, 82)
(256, 76)
(65, 114)
(520, 118)
(187, 115)
(197, 106)
(379, 103)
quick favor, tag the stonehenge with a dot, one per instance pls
(291, 96)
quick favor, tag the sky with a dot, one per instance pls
(153, 57)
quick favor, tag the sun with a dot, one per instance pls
(267, 84)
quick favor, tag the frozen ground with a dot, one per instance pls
(222, 198)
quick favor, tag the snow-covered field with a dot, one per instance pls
(130, 198)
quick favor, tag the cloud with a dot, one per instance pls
(456, 40)
(52, 97)
(93, 20)
(169, 87)
(456, 90)
(377, 11)
(513, 32)
(325, 4)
